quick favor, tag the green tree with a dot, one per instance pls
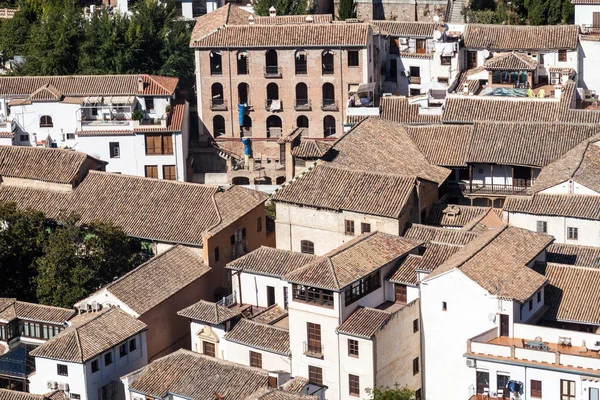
(346, 9)
(395, 393)
(283, 7)
(22, 239)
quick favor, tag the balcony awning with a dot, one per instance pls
(366, 88)
(119, 100)
(353, 88)
(92, 100)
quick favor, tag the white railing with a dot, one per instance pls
(227, 300)
(490, 349)
(553, 335)
(535, 355)
(363, 111)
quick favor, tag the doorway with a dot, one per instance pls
(270, 296)
(482, 381)
(504, 326)
(401, 293)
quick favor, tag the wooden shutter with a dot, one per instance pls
(167, 144)
(169, 172)
(151, 171)
(596, 20)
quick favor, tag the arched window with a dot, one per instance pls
(217, 102)
(273, 126)
(247, 127)
(307, 247)
(272, 95)
(46, 121)
(243, 90)
(302, 121)
(242, 63)
(280, 180)
(327, 61)
(216, 66)
(328, 97)
(240, 180)
(328, 126)
(301, 103)
(300, 58)
(218, 125)
(271, 64)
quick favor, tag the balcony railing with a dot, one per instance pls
(313, 350)
(105, 124)
(271, 106)
(329, 105)
(327, 69)
(227, 300)
(272, 71)
(218, 105)
(302, 105)
(488, 188)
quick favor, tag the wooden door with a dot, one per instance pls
(401, 293)
(504, 326)
(567, 390)
(270, 296)
(596, 20)
(314, 337)
(471, 59)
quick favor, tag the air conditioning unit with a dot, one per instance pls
(51, 385)
(471, 363)
(63, 386)
(403, 41)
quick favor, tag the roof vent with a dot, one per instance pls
(272, 12)
(309, 18)
(251, 19)
(140, 84)
(451, 211)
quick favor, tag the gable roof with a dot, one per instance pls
(159, 278)
(48, 165)
(521, 37)
(398, 109)
(365, 322)
(145, 208)
(434, 234)
(406, 28)
(6, 394)
(455, 216)
(468, 109)
(270, 316)
(197, 377)
(497, 261)
(270, 261)
(260, 336)
(351, 261)
(571, 254)
(562, 205)
(279, 394)
(11, 309)
(340, 189)
(211, 313)
(572, 293)
(310, 149)
(435, 255)
(511, 61)
(88, 338)
(46, 92)
(444, 145)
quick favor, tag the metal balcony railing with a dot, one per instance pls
(329, 105)
(272, 71)
(218, 105)
(313, 350)
(302, 105)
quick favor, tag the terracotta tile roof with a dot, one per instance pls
(295, 385)
(260, 336)
(397, 109)
(392, 152)
(354, 119)
(497, 261)
(435, 255)
(571, 254)
(492, 219)
(310, 149)
(211, 22)
(292, 19)
(270, 316)
(293, 35)
(572, 293)
(342, 189)
(365, 322)
(581, 164)
(562, 205)
(86, 85)
(91, 337)
(452, 215)
(208, 312)
(528, 144)
(48, 165)
(177, 115)
(270, 261)
(521, 37)
(159, 278)
(197, 377)
(104, 133)
(585, 2)
(6, 394)
(511, 61)
(433, 234)
(353, 260)
(406, 273)
(142, 207)
(419, 56)
(444, 145)
(278, 394)
(11, 309)
(468, 109)
(405, 28)
(46, 92)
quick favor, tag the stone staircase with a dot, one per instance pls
(455, 15)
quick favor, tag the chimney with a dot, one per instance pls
(140, 84)
(309, 18)
(251, 19)
(272, 12)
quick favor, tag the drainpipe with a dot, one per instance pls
(343, 100)
(231, 92)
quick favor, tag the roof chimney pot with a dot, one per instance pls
(272, 12)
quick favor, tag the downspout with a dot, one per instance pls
(342, 98)
(230, 93)
(175, 149)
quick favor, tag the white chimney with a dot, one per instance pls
(140, 84)
(251, 19)
(272, 12)
(309, 18)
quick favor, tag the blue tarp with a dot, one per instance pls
(241, 113)
(508, 92)
(246, 142)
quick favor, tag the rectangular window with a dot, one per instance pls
(169, 172)
(416, 366)
(444, 306)
(151, 171)
(353, 58)
(25, 329)
(530, 305)
(149, 103)
(114, 149)
(62, 370)
(354, 385)
(362, 287)
(132, 345)
(255, 359)
(167, 142)
(313, 335)
(307, 247)
(567, 390)
(37, 330)
(562, 55)
(259, 224)
(414, 92)
(536, 388)
(446, 60)
(365, 228)
(95, 367)
(542, 226)
(208, 349)
(421, 46)
(24, 138)
(312, 295)
(153, 144)
(70, 136)
(45, 331)
(353, 348)
(416, 325)
(75, 396)
(539, 296)
(123, 350)
(216, 253)
(349, 227)
(315, 375)
(107, 359)
(573, 233)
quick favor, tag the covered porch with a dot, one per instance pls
(511, 69)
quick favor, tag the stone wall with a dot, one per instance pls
(399, 10)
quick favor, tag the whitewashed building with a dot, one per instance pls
(87, 359)
(134, 122)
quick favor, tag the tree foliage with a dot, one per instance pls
(532, 12)
(283, 7)
(346, 9)
(394, 393)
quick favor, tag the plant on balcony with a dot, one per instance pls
(137, 115)
(395, 393)
(168, 109)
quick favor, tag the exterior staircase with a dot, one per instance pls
(455, 9)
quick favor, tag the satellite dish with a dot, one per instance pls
(437, 35)
(486, 54)
(492, 317)
(436, 18)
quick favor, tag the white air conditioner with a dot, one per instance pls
(403, 40)
(51, 385)
(63, 386)
(471, 363)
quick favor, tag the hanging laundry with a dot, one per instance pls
(275, 105)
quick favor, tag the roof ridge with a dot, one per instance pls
(348, 245)
(42, 305)
(157, 82)
(263, 324)
(575, 266)
(78, 341)
(484, 245)
(144, 179)
(330, 263)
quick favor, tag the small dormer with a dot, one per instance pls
(272, 12)
(451, 211)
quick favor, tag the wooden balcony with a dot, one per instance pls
(475, 189)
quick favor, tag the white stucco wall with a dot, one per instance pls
(254, 289)
(589, 59)
(240, 354)
(588, 230)
(218, 330)
(361, 366)
(570, 187)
